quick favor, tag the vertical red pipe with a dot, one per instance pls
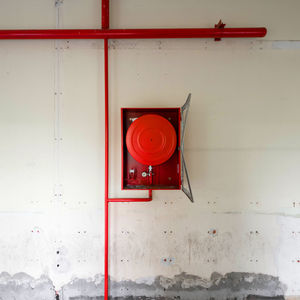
(106, 170)
(107, 200)
(105, 14)
(105, 25)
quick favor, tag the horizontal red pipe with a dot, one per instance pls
(134, 33)
(132, 199)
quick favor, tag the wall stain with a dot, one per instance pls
(22, 286)
(231, 286)
(234, 285)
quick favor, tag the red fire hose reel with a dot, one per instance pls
(152, 148)
(151, 139)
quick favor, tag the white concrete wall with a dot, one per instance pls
(242, 143)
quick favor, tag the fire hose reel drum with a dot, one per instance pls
(151, 139)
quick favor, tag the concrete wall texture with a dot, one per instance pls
(241, 237)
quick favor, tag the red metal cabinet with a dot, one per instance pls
(152, 148)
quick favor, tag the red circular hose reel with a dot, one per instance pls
(151, 139)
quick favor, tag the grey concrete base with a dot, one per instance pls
(24, 287)
(235, 286)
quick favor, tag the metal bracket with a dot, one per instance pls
(58, 2)
(220, 25)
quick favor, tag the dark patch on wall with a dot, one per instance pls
(253, 297)
(231, 286)
(87, 298)
(175, 298)
(234, 285)
(21, 286)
